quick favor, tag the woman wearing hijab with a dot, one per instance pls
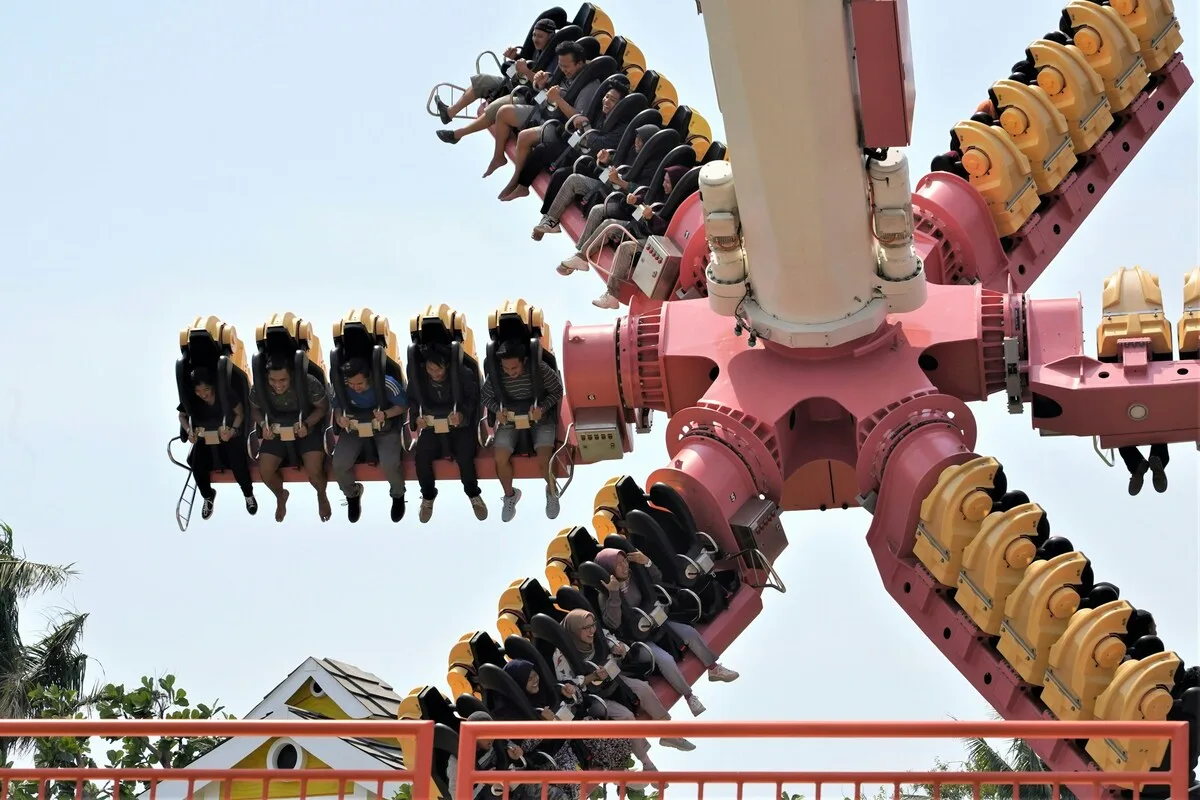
(561, 752)
(580, 627)
(620, 589)
(489, 755)
(600, 754)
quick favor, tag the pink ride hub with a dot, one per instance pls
(843, 379)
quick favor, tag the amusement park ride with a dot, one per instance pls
(829, 363)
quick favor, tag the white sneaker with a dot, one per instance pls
(677, 742)
(547, 225)
(606, 301)
(552, 504)
(722, 674)
(575, 263)
(695, 706)
(510, 505)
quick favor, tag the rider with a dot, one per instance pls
(283, 403)
(231, 445)
(364, 407)
(437, 400)
(486, 87)
(1138, 465)
(516, 385)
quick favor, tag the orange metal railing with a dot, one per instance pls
(300, 782)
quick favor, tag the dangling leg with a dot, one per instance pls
(235, 455)
(700, 649)
(345, 455)
(269, 460)
(199, 458)
(425, 452)
(1137, 466)
(1160, 456)
(312, 454)
(543, 435)
(503, 444)
(391, 461)
(465, 446)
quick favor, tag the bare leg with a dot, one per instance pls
(268, 470)
(506, 124)
(504, 471)
(314, 467)
(462, 102)
(526, 141)
(474, 126)
(543, 455)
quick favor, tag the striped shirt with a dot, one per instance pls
(520, 388)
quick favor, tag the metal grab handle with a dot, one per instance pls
(479, 62)
(1109, 459)
(600, 241)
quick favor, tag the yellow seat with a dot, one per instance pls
(510, 611)
(296, 327)
(1189, 320)
(443, 317)
(1076, 90)
(410, 708)
(1085, 660)
(1038, 129)
(1133, 309)
(1140, 690)
(994, 562)
(633, 56)
(1000, 172)
(604, 40)
(1111, 50)
(1037, 612)
(699, 135)
(634, 74)
(666, 98)
(529, 315)
(461, 666)
(1154, 24)
(601, 23)
(951, 514)
(223, 335)
(604, 522)
(558, 561)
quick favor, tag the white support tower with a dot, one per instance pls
(825, 245)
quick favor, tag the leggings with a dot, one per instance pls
(669, 668)
(233, 457)
(650, 704)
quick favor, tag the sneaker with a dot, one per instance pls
(397, 508)
(678, 743)
(575, 263)
(447, 136)
(1158, 475)
(479, 507)
(443, 111)
(251, 505)
(606, 301)
(510, 506)
(723, 674)
(695, 706)
(426, 511)
(547, 225)
(552, 504)
(207, 509)
(354, 504)
(1137, 478)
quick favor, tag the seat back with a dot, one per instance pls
(624, 112)
(616, 49)
(557, 15)
(681, 120)
(591, 47)
(497, 683)
(680, 156)
(647, 85)
(584, 16)
(688, 184)
(517, 647)
(715, 152)
(624, 150)
(548, 60)
(596, 69)
(593, 111)
(653, 152)
(445, 744)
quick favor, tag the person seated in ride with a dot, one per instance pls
(632, 185)
(517, 385)
(621, 589)
(364, 408)
(538, 146)
(648, 223)
(600, 754)
(577, 185)
(1138, 465)
(491, 87)
(282, 400)
(508, 118)
(524, 674)
(580, 626)
(490, 754)
(231, 444)
(461, 440)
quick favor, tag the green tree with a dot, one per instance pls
(54, 660)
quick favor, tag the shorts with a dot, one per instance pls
(313, 443)
(484, 86)
(542, 433)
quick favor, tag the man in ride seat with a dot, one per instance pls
(506, 119)
(231, 445)
(365, 408)
(282, 401)
(487, 87)
(516, 383)
(437, 400)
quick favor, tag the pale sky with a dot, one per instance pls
(162, 161)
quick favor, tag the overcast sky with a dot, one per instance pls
(162, 161)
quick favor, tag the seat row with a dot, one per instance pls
(1043, 121)
(696, 585)
(1133, 309)
(1084, 651)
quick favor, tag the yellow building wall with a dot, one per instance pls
(279, 789)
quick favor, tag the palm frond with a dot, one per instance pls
(982, 757)
(26, 578)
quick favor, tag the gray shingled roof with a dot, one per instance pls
(378, 697)
(390, 755)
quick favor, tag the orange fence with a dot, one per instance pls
(199, 783)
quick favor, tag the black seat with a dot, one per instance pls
(680, 156)
(686, 186)
(584, 16)
(521, 322)
(616, 50)
(567, 33)
(623, 152)
(446, 328)
(592, 112)
(680, 121)
(556, 15)
(436, 707)
(590, 45)
(367, 336)
(465, 662)
(716, 152)
(597, 69)
(648, 85)
(201, 350)
(288, 338)
(643, 622)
